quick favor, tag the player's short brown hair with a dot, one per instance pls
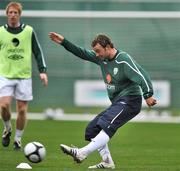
(103, 40)
(16, 5)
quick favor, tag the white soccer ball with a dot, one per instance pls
(35, 152)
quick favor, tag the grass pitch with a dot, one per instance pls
(135, 147)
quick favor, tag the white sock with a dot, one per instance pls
(7, 125)
(18, 135)
(105, 154)
(100, 140)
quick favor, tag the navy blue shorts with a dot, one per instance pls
(120, 112)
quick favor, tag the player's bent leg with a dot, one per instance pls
(73, 152)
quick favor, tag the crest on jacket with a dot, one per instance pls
(115, 71)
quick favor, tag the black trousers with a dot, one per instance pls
(115, 116)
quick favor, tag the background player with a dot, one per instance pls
(17, 42)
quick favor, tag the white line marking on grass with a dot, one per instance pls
(142, 117)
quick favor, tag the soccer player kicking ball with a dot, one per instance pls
(125, 80)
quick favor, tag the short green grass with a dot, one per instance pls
(135, 147)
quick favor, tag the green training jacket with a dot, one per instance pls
(122, 75)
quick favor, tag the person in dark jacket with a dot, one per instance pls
(125, 82)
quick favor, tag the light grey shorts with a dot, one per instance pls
(20, 89)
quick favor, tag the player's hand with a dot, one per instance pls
(44, 78)
(56, 37)
(151, 101)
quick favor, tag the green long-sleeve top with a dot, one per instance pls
(122, 75)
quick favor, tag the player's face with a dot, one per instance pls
(101, 52)
(13, 16)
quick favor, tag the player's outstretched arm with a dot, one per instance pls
(58, 38)
(151, 101)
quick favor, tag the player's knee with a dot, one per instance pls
(21, 112)
(4, 107)
(90, 133)
(87, 135)
(22, 108)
